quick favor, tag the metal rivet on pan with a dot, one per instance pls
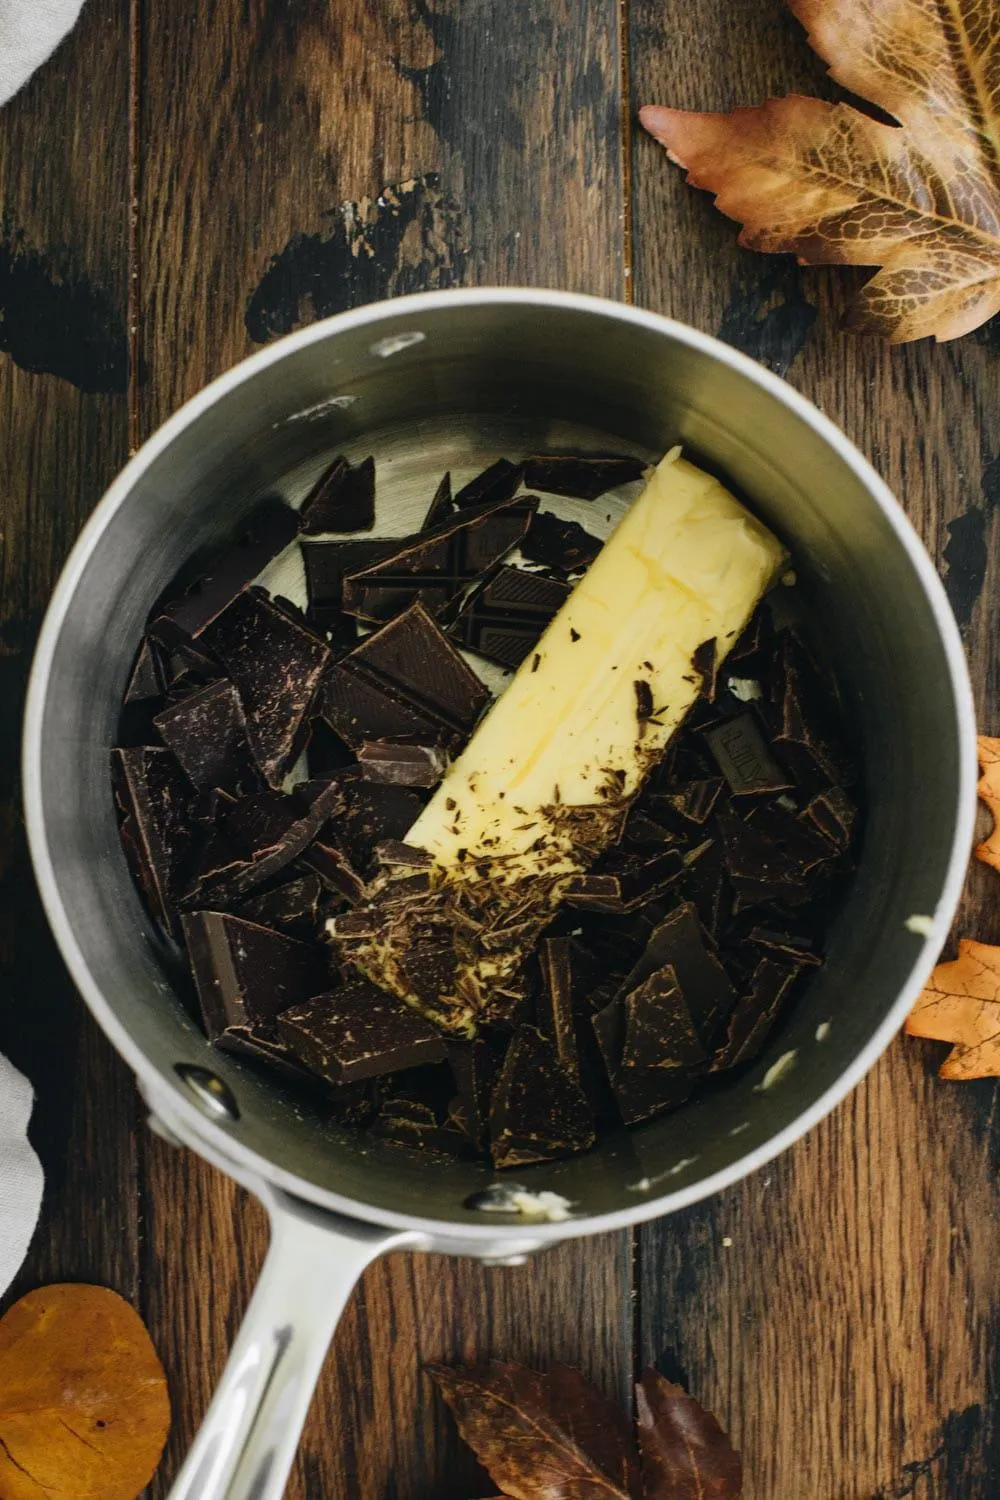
(214, 1096)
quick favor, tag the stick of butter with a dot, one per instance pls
(546, 779)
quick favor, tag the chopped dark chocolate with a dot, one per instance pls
(342, 499)
(807, 742)
(405, 680)
(208, 734)
(679, 941)
(357, 1032)
(585, 476)
(437, 566)
(246, 975)
(275, 665)
(326, 563)
(370, 813)
(621, 881)
(706, 886)
(271, 529)
(504, 619)
(474, 1069)
(834, 815)
(651, 1048)
(335, 870)
(643, 701)
(784, 946)
(147, 678)
(563, 546)
(644, 832)
(538, 1111)
(755, 1013)
(493, 485)
(744, 759)
(256, 838)
(705, 663)
(442, 507)
(292, 908)
(697, 799)
(244, 1042)
(402, 764)
(556, 1015)
(156, 799)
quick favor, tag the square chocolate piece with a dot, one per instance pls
(358, 1031)
(505, 618)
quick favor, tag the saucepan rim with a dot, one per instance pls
(214, 1139)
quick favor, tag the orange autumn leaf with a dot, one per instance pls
(84, 1411)
(989, 793)
(961, 1004)
(833, 185)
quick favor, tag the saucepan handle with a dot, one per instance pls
(248, 1440)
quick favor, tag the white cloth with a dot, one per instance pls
(21, 1179)
(29, 31)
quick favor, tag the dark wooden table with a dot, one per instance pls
(184, 181)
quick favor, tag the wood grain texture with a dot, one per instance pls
(63, 416)
(849, 1333)
(296, 161)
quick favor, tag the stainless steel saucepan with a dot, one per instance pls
(452, 380)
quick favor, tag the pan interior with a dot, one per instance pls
(482, 381)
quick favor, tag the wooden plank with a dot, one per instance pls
(64, 179)
(849, 1333)
(267, 144)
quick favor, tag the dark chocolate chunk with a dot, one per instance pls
(147, 678)
(585, 476)
(493, 485)
(292, 907)
(705, 664)
(832, 814)
(538, 1110)
(679, 941)
(189, 667)
(442, 507)
(370, 813)
(415, 1123)
(650, 1046)
(771, 846)
(744, 759)
(342, 499)
(325, 751)
(156, 799)
(246, 975)
(474, 1069)
(784, 946)
(258, 1047)
(275, 665)
(556, 1018)
(405, 680)
(395, 852)
(622, 881)
(755, 1013)
(696, 800)
(750, 650)
(334, 870)
(326, 563)
(505, 618)
(402, 764)
(271, 529)
(563, 546)
(358, 1031)
(257, 837)
(807, 742)
(437, 566)
(644, 832)
(705, 885)
(208, 734)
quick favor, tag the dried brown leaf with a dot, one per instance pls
(989, 794)
(685, 1453)
(920, 199)
(961, 1004)
(84, 1411)
(542, 1436)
